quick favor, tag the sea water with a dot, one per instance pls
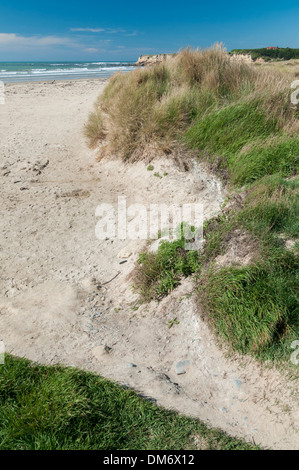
(41, 71)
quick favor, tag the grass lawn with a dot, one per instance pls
(57, 408)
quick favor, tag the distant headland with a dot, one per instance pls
(265, 54)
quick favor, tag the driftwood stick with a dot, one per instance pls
(110, 280)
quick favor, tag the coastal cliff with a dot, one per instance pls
(152, 59)
(160, 58)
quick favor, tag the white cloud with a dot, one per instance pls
(12, 39)
(91, 49)
(88, 30)
(105, 30)
(16, 42)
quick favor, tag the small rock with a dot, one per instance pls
(181, 367)
(238, 383)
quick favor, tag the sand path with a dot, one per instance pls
(52, 266)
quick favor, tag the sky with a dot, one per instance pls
(41, 30)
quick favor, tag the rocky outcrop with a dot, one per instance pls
(242, 58)
(152, 59)
(247, 59)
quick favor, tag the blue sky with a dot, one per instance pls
(122, 30)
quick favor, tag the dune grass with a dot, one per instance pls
(239, 119)
(156, 105)
(290, 67)
(157, 274)
(246, 142)
(94, 128)
(255, 308)
(56, 408)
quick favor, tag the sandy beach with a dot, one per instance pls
(65, 297)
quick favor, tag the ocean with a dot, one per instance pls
(42, 71)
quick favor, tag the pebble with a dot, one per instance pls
(238, 383)
(131, 365)
(181, 367)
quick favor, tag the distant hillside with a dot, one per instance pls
(268, 54)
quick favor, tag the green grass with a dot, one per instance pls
(255, 308)
(245, 141)
(228, 129)
(272, 207)
(56, 408)
(157, 274)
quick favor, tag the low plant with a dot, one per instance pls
(157, 274)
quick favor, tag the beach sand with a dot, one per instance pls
(65, 297)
